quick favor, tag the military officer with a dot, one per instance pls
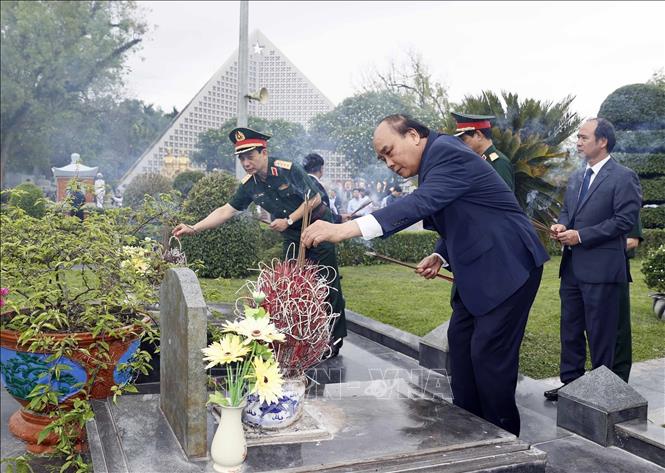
(280, 187)
(623, 350)
(476, 132)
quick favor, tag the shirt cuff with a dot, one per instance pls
(444, 263)
(579, 237)
(369, 227)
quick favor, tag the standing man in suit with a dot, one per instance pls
(487, 239)
(476, 132)
(600, 207)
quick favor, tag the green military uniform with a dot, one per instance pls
(501, 165)
(281, 193)
(498, 160)
(623, 350)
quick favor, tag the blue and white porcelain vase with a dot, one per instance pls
(280, 414)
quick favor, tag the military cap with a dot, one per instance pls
(246, 139)
(471, 122)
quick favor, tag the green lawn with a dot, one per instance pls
(394, 295)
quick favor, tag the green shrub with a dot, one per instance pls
(151, 184)
(653, 190)
(653, 267)
(411, 246)
(184, 181)
(653, 217)
(645, 165)
(653, 238)
(640, 141)
(230, 250)
(635, 107)
(28, 197)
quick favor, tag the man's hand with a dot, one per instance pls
(555, 230)
(183, 229)
(279, 224)
(429, 267)
(632, 243)
(321, 231)
(345, 217)
(569, 237)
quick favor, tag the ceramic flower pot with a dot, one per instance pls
(21, 370)
(229, 447)
(282, 413)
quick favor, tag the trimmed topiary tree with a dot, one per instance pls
(151, 184)
(638, 114)
(229, 250)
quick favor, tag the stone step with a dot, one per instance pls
(642, 438)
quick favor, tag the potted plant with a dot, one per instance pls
(294, 294)
(653, 268)
(74, 316)
(243, 349)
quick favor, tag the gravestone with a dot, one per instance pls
(592, 404)
(183, 380)
(434, 350)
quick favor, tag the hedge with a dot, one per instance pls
(640, 141)
(184, 181)
(635, 107)
(411, 246)
(230, 250)
(645, 165)
(653, 268)
(149, 183)
(653, 217)
(653, 190)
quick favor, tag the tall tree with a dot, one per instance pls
(412, 81)
(56, 57)
(530, 133)
(349, 127)
(215, 150)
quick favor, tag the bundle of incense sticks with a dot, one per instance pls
(541, 226)
(369, 201)
(401, 263)
(305, 222)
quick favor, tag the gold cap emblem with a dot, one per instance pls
(240, 136)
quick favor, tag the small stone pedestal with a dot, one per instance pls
(591, 405)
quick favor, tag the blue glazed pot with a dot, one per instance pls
(280, 414)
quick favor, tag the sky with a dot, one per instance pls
(539, 50)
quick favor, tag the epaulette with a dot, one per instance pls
(494, 156)
(246, 178)
(283, 164)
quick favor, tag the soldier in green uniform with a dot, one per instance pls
(476, 132)
(280, 187)
(623, 351)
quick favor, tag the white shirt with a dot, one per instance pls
(596, 168)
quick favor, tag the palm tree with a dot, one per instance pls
(530, 133)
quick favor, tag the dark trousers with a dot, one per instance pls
(484, 353)
(623, 350)
(588, 311)
(325, 255)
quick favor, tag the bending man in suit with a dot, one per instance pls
(600, 207)
(487, 239)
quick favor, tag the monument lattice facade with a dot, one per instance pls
(293, 97)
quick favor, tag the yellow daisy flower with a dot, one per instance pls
(268, 385)
(228, 350)
(258, 329)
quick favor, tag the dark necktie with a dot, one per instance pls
(585, 185)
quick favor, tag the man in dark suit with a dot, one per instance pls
(487, 239)
(600, 207)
